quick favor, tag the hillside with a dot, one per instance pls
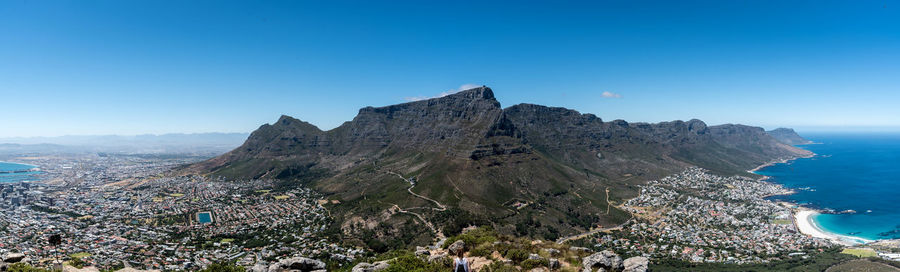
(788, 136)
(528, 169)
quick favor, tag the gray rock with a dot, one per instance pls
(533, 256)
(636, 264)
(363, 267)
(437, 257)
(13, 257)
(382, 265)
(421, 251)
(584, 249)
(297, 264)
(456, 247)
(553, 263)
(367, 267)
(260, 267)
(603, 259)
(552, 251)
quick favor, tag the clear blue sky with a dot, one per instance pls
(132, 67)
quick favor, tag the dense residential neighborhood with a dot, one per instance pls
(152, 222)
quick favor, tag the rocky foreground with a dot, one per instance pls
(484, 249)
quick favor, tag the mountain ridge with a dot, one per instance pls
(529, 169)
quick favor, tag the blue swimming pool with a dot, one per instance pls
(204, 217)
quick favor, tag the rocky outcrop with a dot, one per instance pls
(456, 247)
(370, 267)
(788, 136)
(636, 264)
(297, 264)
(422, 251)
(553, 263)
(605, 259)
(13, 257)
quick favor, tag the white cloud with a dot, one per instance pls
(442, 94)
(611, 95)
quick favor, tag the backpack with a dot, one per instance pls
(460, 265)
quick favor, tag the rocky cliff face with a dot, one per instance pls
(788, 136)
(526, 164)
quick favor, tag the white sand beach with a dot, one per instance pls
(803, 219)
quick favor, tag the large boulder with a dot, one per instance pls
(84, 269)
(455, 247)
(259, 267)
(604, 259)
(553, 263)
(367, 267)
(421, 251)
(13, 257)
(297, 264)
(636, 264)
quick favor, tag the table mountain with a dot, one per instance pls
(527, 169)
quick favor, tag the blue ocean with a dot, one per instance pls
(859, 172)
(16, 172)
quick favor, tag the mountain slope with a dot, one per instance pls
(529, 169)
(788, 136)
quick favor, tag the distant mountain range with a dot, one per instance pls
(176, 143)
(788, 136)
(527, 169)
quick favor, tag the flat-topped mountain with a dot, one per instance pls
(527, 169)
(788, 136)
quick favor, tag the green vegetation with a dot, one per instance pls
(76, 262)
(409, 263)
(80, 255)
(860, 252)
(782, 222)
(865, 265)
(478, 236)
(21, 267)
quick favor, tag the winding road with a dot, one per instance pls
(441, 207)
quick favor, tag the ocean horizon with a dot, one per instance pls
(853, 177)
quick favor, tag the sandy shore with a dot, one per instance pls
(803, 219)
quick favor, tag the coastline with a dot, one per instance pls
(774, 162)
(31, 168)
(22, 163)
(804, 218)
